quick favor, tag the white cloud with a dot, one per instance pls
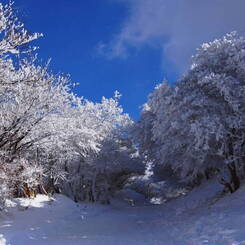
(176, 27)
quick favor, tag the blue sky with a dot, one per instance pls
(125, 45)
(72, 32)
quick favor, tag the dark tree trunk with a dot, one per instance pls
(229, 187)
(234, 177)
(226, 184)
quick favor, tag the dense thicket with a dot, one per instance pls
(196, 126)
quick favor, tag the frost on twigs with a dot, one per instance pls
(14, 38)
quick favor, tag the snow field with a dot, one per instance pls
(199, 218)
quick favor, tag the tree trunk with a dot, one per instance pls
(234, 177)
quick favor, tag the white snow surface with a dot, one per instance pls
(199, 218)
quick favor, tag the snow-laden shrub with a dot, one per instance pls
(139, 183)
(155, 190)
(166, 190)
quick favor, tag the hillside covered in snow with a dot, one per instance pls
(201, 217)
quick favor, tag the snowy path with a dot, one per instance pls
(184, 221)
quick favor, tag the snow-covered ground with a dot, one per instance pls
(195, 219)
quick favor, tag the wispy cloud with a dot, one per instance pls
(176, 27)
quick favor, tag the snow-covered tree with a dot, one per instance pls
(200, 120)
(51, 140)
(142, 131)
(154, 127)
(87, 145)
(215, 86)
(14, 41)
(28, 94)
(96, 133)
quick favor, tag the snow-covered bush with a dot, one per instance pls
(139, 183)
(155, 191)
